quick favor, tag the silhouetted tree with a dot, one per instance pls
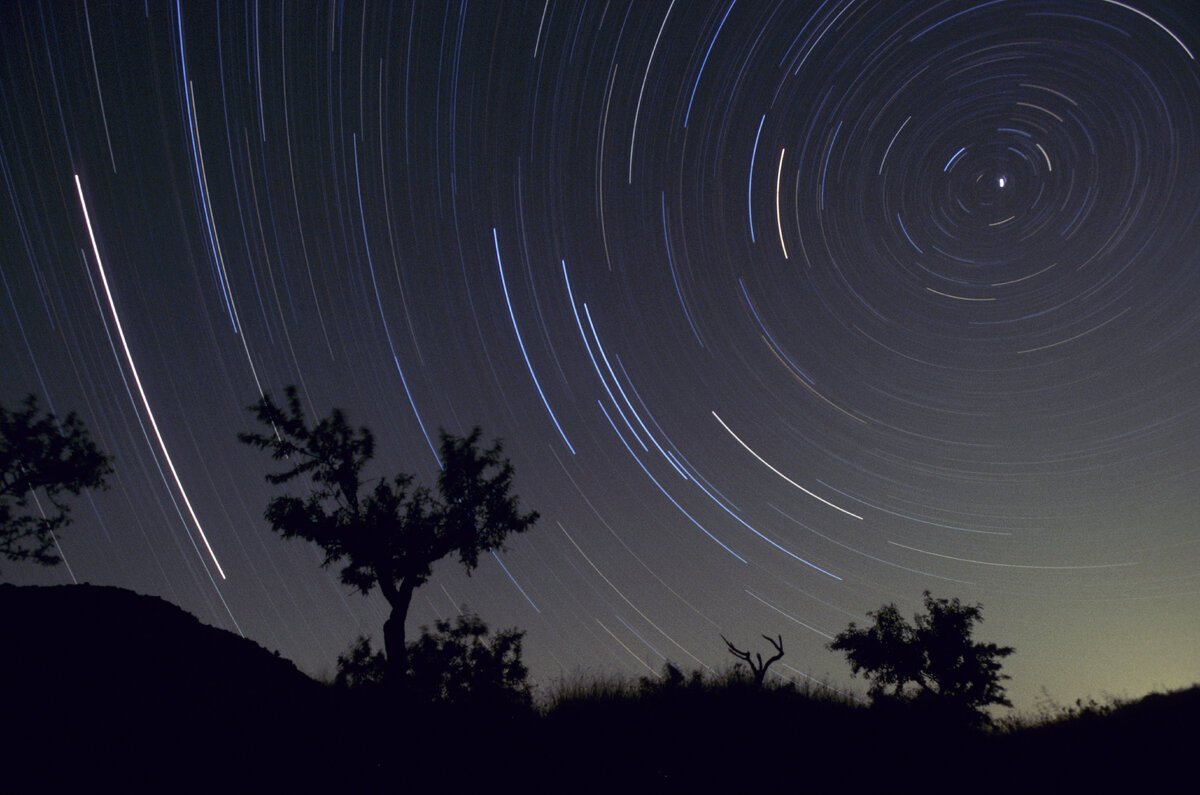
(390, 534)
(759, 668)
(459, 664)
(935, 653)
(41, 455)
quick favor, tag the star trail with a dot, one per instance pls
(782, 310)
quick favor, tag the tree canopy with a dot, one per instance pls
(935, 654)
(40, 455)
(384, 532)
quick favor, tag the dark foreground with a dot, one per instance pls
(103, 689)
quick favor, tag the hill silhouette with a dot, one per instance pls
(1148, 745)
(101, 684)
(105, 689)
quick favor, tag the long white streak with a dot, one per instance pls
(780, 474)
(138, 381)
(1156, 22)
(778, 220)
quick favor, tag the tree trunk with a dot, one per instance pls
(394, 645)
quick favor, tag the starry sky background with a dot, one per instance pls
(783, 310)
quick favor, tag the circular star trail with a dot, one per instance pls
(783, 310)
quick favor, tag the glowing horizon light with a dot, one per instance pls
(138, 381)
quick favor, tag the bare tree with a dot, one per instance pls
(758, 668)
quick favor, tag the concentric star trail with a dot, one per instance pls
(782, 311)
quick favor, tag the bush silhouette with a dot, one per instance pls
(953, 676)
(389, 534)
(458, 664)
(671, 680)
(455, 663)
(40, 455)
(360, 667)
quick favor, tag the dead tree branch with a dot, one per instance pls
(757, 666)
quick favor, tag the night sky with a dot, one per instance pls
(784, 310)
